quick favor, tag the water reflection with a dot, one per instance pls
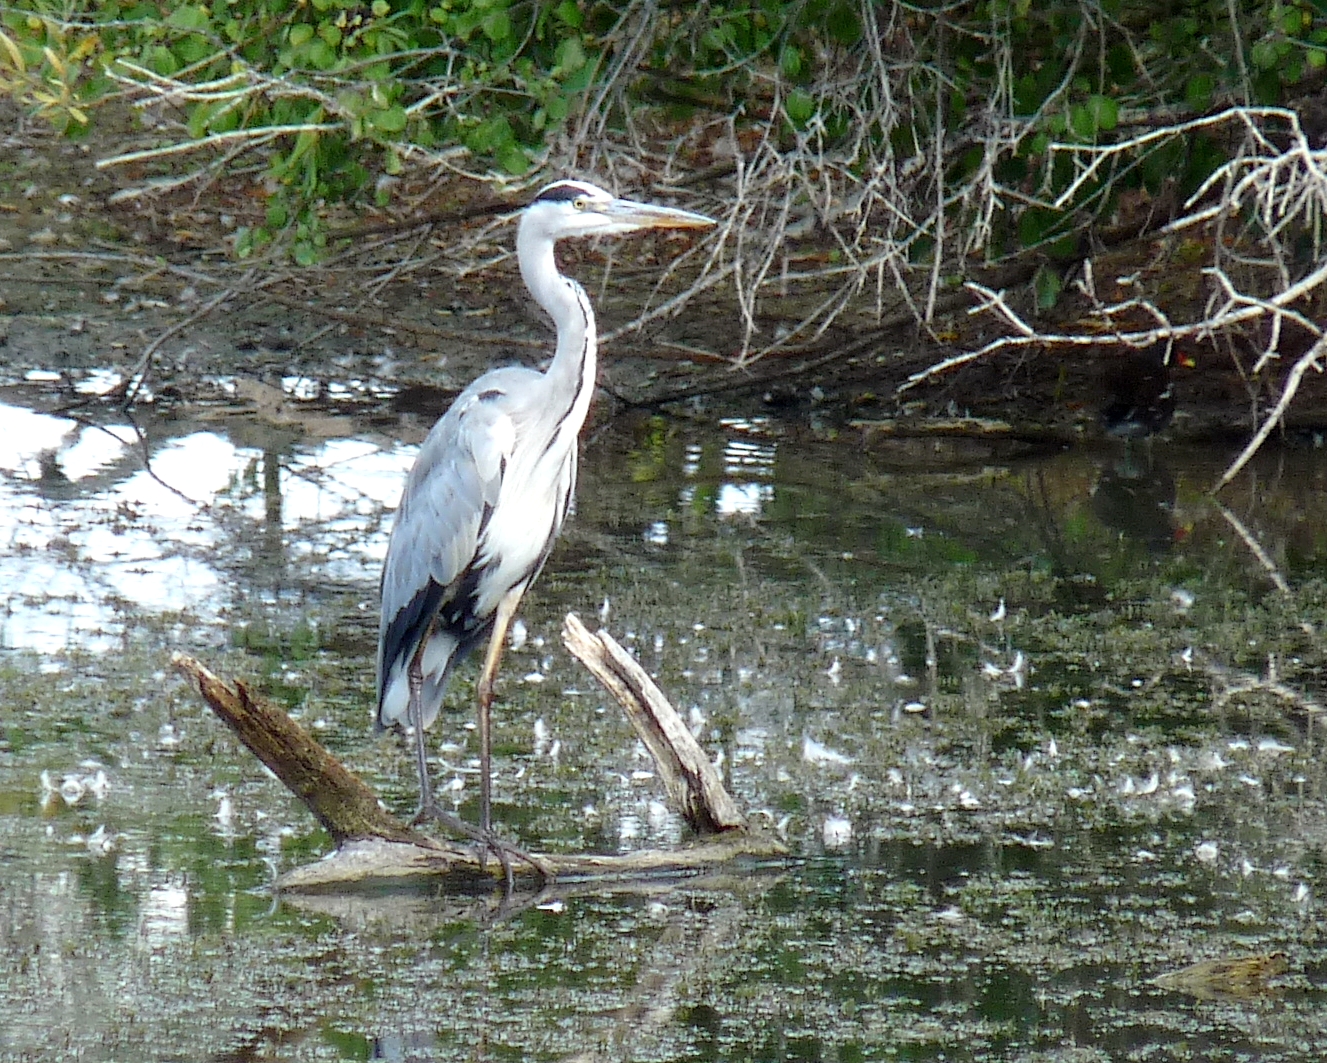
(104, 518)
(1138, 502)
(102, 524)
(88, 531)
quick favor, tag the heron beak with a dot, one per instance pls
(649, 216)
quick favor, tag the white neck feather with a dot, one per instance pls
(572, 371)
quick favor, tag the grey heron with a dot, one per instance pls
(489, 491)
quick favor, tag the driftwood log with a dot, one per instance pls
(375, 848)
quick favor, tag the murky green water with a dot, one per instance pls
(1037, 731)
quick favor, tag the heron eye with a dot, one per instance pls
(580, 202)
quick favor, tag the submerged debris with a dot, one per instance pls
(1238, 977)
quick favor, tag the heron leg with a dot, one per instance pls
(415, 713)
(484, 695)
(428, 808)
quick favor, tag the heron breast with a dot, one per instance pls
(523, 525)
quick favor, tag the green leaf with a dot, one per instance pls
(381, 8)
(161, 60)
(300, 33)
(514, 160)
(491, 135)
(1105, 112)
(1198, 91)
(192, 49)
(321, 56)
(497, 27)
(800, 106)
(569, 12)
(391, 120)
(570, 56)
(305, 253)
(1264, 54)
(194, 19)
(843, 24)
(580, 81)
(1080, 121)
(217, 117)
(197, 124)
(1035, 225)
(715, 38)
(1048, 285)
(790, 60)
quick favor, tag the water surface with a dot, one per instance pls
(1037, 730)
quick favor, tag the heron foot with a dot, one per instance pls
(486, 842)
(506, 852)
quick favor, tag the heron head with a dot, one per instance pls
(578, 208)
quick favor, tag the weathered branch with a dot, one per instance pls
(375, 848)
(338, 799)
(693, 785)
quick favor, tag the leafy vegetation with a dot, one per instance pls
(919, 136)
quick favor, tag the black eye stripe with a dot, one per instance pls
(562, 192)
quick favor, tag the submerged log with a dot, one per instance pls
(375, 848)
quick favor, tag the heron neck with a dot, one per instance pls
(573, 367)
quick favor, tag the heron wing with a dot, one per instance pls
(431, 568)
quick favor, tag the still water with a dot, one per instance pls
(1037, 731)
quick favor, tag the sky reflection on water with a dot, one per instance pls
(93, 532)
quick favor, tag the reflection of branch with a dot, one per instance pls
(1234, 682)
(1255, 548)
(675, 960)
(1306, 362)
(133, 381)
(111, 472)
(128, 386)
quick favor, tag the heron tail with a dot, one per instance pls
(440, 655)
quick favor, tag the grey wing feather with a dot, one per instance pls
(449, 495)
(456, 475)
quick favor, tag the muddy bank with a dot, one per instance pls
(143, 296)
